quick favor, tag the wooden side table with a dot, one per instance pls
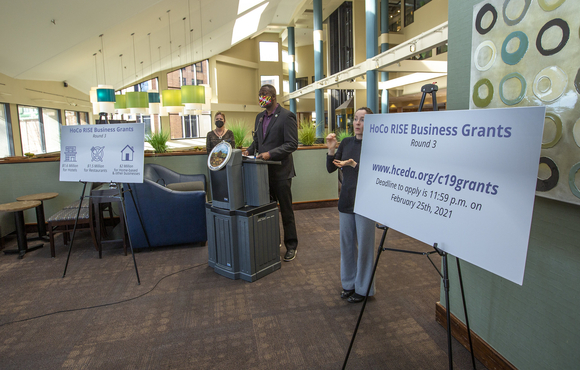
(40, 221)
(18, 209)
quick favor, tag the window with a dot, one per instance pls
(187, 126)
(410, 7)
(76, 118)
(271, 80)
(39, 129)
(421, 56)
(442, 49)
(394, 16)
(6, 147)
(268, 51)
(301, 82)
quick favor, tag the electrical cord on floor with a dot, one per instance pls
(105, 304)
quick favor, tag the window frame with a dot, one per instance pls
(9, 136)
(42, 131)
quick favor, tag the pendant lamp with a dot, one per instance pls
(93, 100)
(192, 97)
(154, 102)
(106, 99)
(137, 102)
(172, 100)
(121, 104)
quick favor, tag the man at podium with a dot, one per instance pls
(275, 138)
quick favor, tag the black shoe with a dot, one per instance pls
(356, 298)
(290, 255)
(346, 293)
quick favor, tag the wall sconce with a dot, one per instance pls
(413, 47)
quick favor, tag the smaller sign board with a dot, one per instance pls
(102, 153)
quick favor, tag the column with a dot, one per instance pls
(385, 47)
(372, 50)
(318, 68)
(292, 66)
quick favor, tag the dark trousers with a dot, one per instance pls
(281, 191)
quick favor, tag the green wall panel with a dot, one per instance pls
(534, 326)
(311, 183)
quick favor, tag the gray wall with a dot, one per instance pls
(311, 183)
(534, 326)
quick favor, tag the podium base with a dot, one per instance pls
(245, 243)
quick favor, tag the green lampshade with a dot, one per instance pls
(192, 94)
(106, 95)
(171, 100)
(137, 99)
(120, 102)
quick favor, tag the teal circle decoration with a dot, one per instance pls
(522, 91)
(477, 100)
(515, 57)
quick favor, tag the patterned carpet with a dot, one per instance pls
(185, 316)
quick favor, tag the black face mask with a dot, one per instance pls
(219, 124)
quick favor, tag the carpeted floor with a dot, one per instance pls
(185, 316)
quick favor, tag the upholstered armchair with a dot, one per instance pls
(171, 206)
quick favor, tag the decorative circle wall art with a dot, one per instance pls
(525, 53)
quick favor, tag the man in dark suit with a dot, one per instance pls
(275, 138)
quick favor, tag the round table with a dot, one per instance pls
(18, 209)
(39, 210)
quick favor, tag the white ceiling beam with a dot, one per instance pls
(425, 41)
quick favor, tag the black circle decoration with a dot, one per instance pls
(577, 81)
(552, 181)
(484, 9)
(565, 36)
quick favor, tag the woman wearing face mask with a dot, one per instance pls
(219, 134)
(357, 233)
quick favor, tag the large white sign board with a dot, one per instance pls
(102, 153)
(463, 179)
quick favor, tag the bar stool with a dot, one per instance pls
(39, 211)
(18, 209)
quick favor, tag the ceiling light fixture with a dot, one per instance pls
(105, 93)
(137, 101)
(120, 99)
(171, 99)
(93, 91)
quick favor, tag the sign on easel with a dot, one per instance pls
(463, 179)
(102, 153)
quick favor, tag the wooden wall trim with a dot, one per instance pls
(488, 356)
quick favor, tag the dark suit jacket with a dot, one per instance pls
(280, 140)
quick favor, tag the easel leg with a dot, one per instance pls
(446, 287)
(385, 229)
(75, 227)
(122, 199)
(465, 313)
(138, 215)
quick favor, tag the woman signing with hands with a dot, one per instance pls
(357, 233)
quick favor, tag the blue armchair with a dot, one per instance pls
(171, 205)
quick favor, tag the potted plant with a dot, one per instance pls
(240, 131)
(307, 133)
(158, 141)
